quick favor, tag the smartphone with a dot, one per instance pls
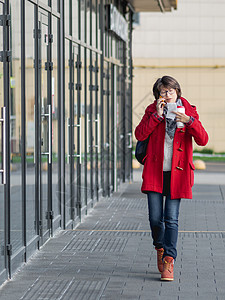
(163, 102)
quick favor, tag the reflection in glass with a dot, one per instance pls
(93, 31)
(45, 2)
(82, 132)
(55, 5)
(15, 129)
(109, 133)
(67, 137)
(85, 121)
(55, 182)
(43, 106)
(89, 125)
(66, 9)
(2, 264)
(88, 33)
(30, 123)
(99, 126)
(119, 126)
(95, 125)
(82, 21)
(75, 19)
(106, 149)
(76, 129)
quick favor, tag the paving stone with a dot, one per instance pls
(110, 255)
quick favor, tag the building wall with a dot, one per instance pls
(189, 45)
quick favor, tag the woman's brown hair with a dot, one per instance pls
(167, 82)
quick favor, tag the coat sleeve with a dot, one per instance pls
(147, 125)
(196, 129)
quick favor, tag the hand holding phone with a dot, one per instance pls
(160, 105)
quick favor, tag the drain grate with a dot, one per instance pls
(213, 201)
(107, 233)
(100, 245)
(65, 289)
(116, 226)
(207, 235)
(126, 204)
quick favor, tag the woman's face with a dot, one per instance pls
(169, 94)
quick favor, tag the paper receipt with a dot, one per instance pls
(171, 107)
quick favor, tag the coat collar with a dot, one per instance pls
(190, 110)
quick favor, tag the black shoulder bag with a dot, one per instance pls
(140, 151)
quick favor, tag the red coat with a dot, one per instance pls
(182, 171)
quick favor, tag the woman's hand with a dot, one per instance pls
(160, 105)
(180, 117)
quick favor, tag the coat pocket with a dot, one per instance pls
(192, 168)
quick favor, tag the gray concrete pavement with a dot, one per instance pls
(110, 255)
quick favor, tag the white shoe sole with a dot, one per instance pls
(167, 279)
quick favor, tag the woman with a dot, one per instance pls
(168, 168)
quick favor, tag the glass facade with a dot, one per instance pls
(65, 99)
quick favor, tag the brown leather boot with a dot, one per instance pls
(167, 273)
(159, 259)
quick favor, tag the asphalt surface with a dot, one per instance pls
(110, 254)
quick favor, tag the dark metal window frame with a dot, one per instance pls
(5, 49)
(36, 238)
(102, 52)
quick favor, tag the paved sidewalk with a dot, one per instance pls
(110, 255)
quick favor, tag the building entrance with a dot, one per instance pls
(61, 119)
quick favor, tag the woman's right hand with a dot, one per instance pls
(160, 105)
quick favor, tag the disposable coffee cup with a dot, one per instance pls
(182, 110)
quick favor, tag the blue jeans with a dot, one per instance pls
(164, 222)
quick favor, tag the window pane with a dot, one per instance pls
(30, 121)
(15, 128)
